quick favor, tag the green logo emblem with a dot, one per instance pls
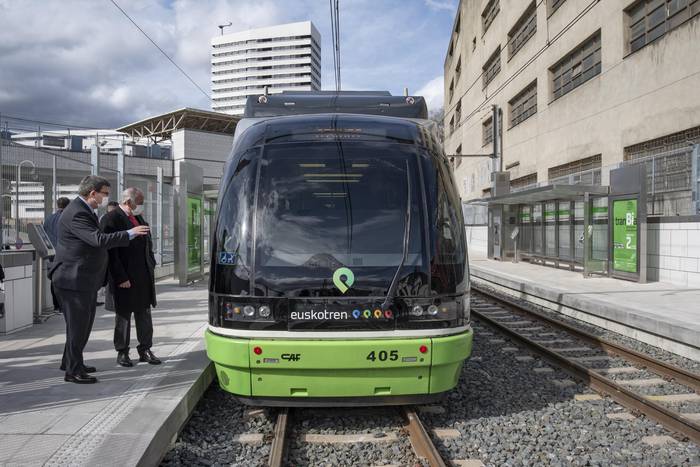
(343, 285)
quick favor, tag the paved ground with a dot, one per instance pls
(119, 420)
(657, 308)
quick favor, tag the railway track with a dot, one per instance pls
(663, 392)
(420, 439)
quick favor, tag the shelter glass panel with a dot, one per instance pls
(550, 228)
(599, 218)
(564, 226)
(537, 229)
(525, 237)
(578, 231)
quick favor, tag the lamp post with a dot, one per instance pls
(18, 241)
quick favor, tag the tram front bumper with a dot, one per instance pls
(271, 368)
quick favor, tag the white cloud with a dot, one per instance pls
(441, 4)
(434, 93)
(83, 62)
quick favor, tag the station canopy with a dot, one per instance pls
(161, 127)
(548, 193)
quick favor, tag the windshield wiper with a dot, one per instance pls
(406, 236)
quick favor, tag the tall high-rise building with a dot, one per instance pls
(282, 57)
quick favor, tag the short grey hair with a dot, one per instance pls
(130, 194)
(91, 183)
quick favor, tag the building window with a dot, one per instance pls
(489, 14)
(452, 125)
(521, 183)
(458, 160)
(580, 65)
(648, 20)
(451, 50)
(581, 172)
(492, 67)
(458, 112)
(458, 24)
(487, 131)
(554, 5)
(452, 89)
(524, 105)
(523, 30)
(458, 69)
(474, 44)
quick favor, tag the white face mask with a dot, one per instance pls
(138, 210)
(105, 202)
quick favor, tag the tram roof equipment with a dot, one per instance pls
(350, 102)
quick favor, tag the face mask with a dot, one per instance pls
(138, 210)
(105, 201)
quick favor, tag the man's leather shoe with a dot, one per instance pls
(80, 378)
(124, 360)
(86, 369)
(147, 356)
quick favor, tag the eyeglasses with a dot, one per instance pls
(104, 193)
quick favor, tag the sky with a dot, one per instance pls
(81, 62)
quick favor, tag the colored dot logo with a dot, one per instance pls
(356, 314)
(378, 313)
(366, 314)
(349, 279)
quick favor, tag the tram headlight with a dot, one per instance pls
(433, 310)
(232, 310)
(417, 310)
(264, 311)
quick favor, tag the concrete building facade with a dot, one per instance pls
(584, 86)
(279, 58)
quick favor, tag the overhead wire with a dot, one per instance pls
(160, 49)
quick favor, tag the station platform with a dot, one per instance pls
(130, 416)
(657, 313)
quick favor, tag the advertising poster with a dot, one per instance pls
(625, 235)
(194, 233)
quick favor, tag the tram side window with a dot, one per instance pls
(233, 235)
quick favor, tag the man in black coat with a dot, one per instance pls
(51, 228)
(131, 279)
(80, 269)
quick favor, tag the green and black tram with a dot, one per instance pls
(339, 271)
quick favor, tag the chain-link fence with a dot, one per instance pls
(33, 178)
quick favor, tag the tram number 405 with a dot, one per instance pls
(383, 355)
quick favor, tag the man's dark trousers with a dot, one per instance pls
(78, 309)
(144, 331)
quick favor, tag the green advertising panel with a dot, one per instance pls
(194, 233)
(625, 235)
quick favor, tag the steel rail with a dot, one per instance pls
(279, 442)
(420, 439)
(671, 419)
(681, 375)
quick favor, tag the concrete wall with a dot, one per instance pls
(674, 253)
(207, 150)
(648, 94)
(477, 240)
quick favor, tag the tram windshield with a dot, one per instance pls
(331, 205)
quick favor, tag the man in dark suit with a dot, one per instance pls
(51, 228)
(79, 270)
(131, 279)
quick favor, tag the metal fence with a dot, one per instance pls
(33, 178)
(673, 181)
